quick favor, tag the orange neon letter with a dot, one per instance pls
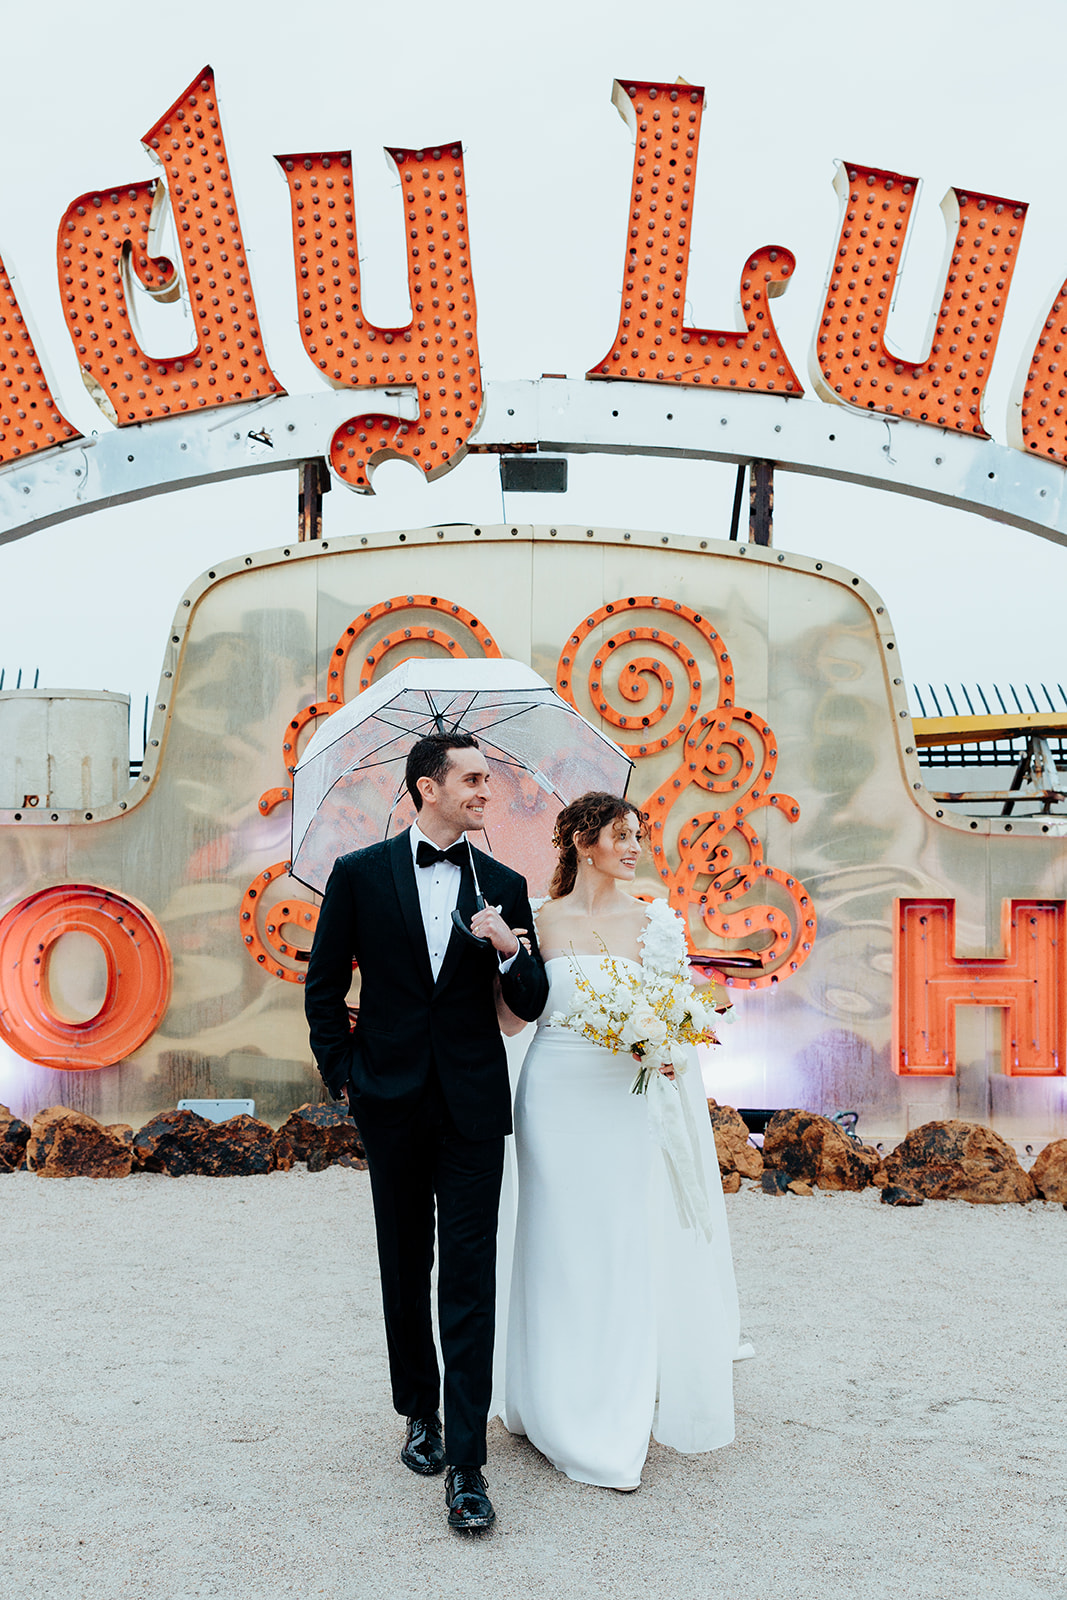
(1028, 981)
(29, 417)
(1037, 417)
(436, 353)
(850, 362)
(138, 976)
(651, 342)
(104, 243)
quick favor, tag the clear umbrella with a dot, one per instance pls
(348, 789)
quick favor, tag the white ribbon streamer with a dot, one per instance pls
(670, 1122)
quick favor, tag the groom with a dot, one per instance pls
(427, 1081)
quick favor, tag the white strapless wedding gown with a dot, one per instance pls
(615, 1321)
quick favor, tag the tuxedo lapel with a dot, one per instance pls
(403, 868)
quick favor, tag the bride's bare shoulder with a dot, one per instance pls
(548, 911)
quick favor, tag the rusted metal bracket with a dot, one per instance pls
(760, 502)
(314, 483)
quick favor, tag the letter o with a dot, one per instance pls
(138, 976)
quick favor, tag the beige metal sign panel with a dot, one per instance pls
(761, 697)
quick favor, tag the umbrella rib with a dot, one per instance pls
(435, 715)
(500, 721)
(398, 727)
(438, 713)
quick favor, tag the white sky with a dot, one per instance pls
(967, 93)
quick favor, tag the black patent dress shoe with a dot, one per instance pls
(423, 1451)
(469, 1507)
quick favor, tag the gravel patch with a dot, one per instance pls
(194, 1402)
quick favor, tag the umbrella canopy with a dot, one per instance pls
(348, 789)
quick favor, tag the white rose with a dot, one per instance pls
(648, 1027)
(628, 1034)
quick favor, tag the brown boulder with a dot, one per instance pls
(894, 1195)
(1049, 1171)
(68, 1144)
(959, 1161)
(240, 1147)
(798, 1186)
(171, 1142)
(120, 1130)
(731, 1143)
(14, 1134)
(731, 1182)
(319, 1135)
(816, 1150)
(183, 1144)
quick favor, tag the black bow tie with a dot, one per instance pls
(427, 856)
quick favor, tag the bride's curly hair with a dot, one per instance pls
(579, 825)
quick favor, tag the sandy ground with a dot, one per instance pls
(193, 1402)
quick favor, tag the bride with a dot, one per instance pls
(621, 1321)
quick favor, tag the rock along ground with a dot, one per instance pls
(193, 1402)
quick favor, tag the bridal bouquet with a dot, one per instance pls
(655, 1016)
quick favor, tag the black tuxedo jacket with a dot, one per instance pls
(408, 1025)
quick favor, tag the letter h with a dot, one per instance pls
(930, 981)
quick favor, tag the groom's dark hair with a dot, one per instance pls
(429, 758)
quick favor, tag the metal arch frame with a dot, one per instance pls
(562, 416)
(811, 437)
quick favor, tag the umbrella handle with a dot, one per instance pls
(458, 922)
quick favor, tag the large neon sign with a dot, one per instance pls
(105, 258)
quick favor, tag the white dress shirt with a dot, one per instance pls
(438, 887)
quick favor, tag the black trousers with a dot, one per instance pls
(418, 1165)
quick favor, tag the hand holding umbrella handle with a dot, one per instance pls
(458, 922)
